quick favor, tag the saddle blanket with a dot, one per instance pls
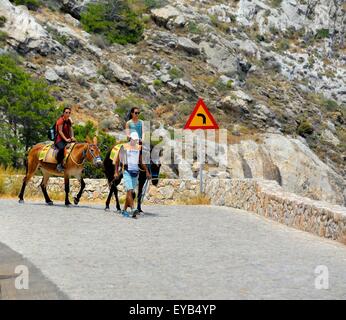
(49, 152)
(115, 151)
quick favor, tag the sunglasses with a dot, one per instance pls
(67, 112)
(136, 112)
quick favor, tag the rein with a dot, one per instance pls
(83, 156)
(85, 152)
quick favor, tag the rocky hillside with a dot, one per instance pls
(271, 71)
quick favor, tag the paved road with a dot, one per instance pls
(39, 286)
(173, 252)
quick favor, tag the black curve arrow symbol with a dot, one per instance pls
(203, 117)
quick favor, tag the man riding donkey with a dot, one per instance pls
(130, 157)
(42, 156)
(64, 135)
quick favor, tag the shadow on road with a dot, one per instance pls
(39, 287)
(88, 207)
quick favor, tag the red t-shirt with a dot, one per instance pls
(66, 129)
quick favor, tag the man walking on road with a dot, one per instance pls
(130, 156)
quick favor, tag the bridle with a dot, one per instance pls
(84, 154)
(153, 177)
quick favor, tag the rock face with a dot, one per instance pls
(288, 161)
(120, 73)
(221, 58)
(75, 7)
(162, 16)
(312, 17)
(51, 75)
(291, 163)
(188, 45)
(328, 136)
(24, 33)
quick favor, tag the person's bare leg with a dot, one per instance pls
(130, 202)
(126, 202)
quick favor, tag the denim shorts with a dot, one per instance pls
(130, 182)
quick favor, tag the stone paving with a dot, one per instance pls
(172, 252)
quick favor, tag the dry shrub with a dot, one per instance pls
(10, 189)
(200, 199)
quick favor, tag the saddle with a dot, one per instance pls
(115, 151)
(49, 152)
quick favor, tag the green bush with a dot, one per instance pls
(3, 37)
(222, 26)
(31, 4)
(2, 21)
(260, 38)
(124, 105)
(283, 45)
(305, 128)
(157, 83)
(176, 73)
(330, 105)
(157, 66)
(322, 33)
(194, 28)
(153, 4)
(114, 20)
(275, 3)
(27, 110)
(223, 87)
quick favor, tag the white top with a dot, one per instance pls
(132, 159)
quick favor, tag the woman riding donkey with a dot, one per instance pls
(151, 159)
(135, 124)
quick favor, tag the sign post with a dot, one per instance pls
(201, 118)
(201, 175)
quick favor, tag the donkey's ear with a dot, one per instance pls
(95, 140)
(88, 140)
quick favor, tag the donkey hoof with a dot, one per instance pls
(135, 214)
(21, 201)
(107, 209)
(50, 203)
(68, 204)
(75, 201)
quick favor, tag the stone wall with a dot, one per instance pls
(263, 197)
(268, 199)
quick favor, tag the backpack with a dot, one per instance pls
(52, 132)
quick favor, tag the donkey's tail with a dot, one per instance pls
(26, 162)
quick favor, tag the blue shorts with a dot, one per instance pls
(130, 182)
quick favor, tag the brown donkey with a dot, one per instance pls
(73, 167)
